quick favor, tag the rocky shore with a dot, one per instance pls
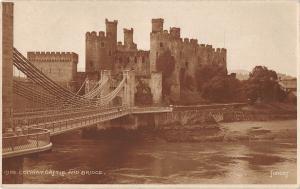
(225, 125)
(235, 125)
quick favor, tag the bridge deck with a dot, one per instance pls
(57, 122)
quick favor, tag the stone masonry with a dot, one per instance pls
(7, 64)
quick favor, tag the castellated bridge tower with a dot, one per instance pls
(100, 48)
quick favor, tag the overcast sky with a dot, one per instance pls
(255, 33)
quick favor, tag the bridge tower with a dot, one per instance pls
(7, 65)
(129, 88)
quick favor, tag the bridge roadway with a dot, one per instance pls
(37, 129)
(38, 126)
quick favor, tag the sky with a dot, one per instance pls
(254, 33)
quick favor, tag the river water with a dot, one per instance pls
(135, 160)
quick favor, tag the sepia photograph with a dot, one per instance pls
(140, 93)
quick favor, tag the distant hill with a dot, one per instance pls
(244, 75)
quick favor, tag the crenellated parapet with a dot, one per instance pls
(175, 32)
(143, 53)
(52, 57)
(157, 25)
(94, 36)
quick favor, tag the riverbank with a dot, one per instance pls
(204, 125)
(210, 124)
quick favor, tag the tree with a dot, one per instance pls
(143, 96)
(262, 84)
(207, 72)
(223, 89)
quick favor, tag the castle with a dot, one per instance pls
(104, 52)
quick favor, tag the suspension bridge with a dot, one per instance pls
(61, 110)
(64, 110)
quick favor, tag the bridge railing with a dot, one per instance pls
(208, 106)
(27, 121)
(82, 120)
(151, 109)
(30, 139)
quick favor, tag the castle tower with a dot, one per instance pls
(7, 65)
(157, 25)
(100, 49)
(109, 46)
(111, 30)
(91, 51)
(157, 36)
(128, 37)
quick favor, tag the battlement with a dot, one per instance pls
(157, 20)
(128, 31)
(114, 22)
(157, 25)
(192, 42)
(93, 35)
(175, 32)
(52, 57)
(143, 53)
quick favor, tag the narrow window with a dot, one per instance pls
(127, 59)
(143, 59)
(120, 60)
(109, 53)
(102, 44)
(161, 44)
(135, 60)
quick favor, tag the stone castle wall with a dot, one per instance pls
(134, 60)
(188, 53)
(61, 67)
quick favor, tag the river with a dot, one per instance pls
(122, 159)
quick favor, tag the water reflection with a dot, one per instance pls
(140, 160)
